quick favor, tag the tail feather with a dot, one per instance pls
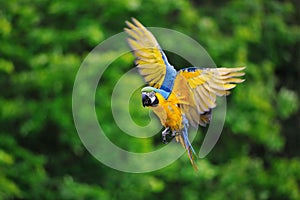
(185, 142)
(189, 149)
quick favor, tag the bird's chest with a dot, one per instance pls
(169, 113)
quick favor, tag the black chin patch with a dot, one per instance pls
(155, 101)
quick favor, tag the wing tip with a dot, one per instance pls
(134, 23)
(242, 80)
(236, 69)
(134, 20)
(128, 23)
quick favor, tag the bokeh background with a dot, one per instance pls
(42, 44)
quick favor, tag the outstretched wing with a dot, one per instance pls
(204, 85)
(151, 61)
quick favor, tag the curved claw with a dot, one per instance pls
(173, 134)
(163, 134)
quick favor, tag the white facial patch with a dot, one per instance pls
(151, 95)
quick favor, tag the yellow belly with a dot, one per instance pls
(169, 112)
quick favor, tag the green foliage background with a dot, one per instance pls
(42, 44)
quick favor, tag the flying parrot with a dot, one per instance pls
(179, 98)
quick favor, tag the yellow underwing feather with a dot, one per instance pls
(149, 58)
(182, 91)
(234, 74)
(131, 33)
(210, 99)
(204, 85)
(146, 55)
(149, 71)
(234, 80)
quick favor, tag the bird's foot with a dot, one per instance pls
(174, 133)
(163, 134)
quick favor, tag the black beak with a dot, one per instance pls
(146, 100)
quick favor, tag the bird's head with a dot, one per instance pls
(149, 97)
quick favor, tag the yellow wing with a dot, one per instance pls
(150, 59)
(204, 85)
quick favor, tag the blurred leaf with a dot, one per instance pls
(288, 103)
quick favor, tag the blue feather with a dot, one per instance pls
(164, 93)
(171, 73)
(190, 69)
(185, 135)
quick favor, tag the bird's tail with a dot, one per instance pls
(185, 142)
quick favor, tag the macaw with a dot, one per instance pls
(179, 98)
